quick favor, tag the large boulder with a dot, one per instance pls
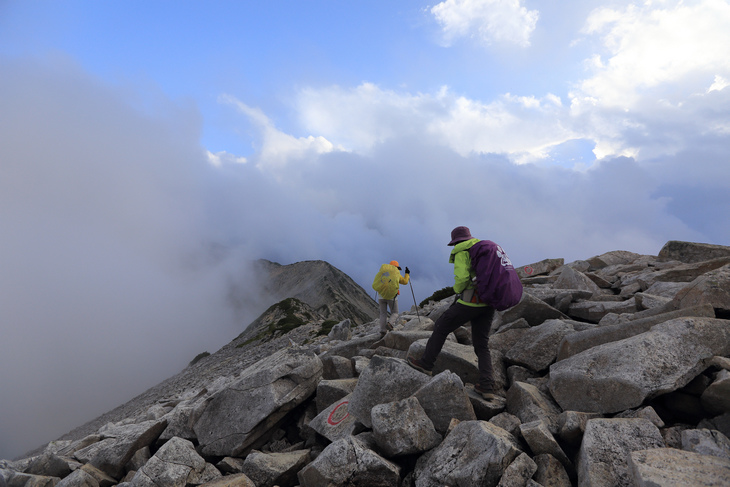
(706, 442)
(474, 453)
(270, 469)
(119, 444)
(712, 288)
(444, 398)
(385, 380)
(620, 375)
(691, 252)
(403, 428)
(538, 346)
(668, 467)
(532, 309)
(604, 454)
(529, 404)
(176, 464)
(573, 279)
(242, 412)
(579, 341)
(349, 462)
(459, 359)
(545, 266)
(335, 421)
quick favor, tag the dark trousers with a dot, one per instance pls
(453, 318)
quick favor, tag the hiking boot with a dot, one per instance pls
(418, 365)
(487, 394)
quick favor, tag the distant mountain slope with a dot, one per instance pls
(308, 293)
(331, 292)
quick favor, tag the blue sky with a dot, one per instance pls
(149, 150)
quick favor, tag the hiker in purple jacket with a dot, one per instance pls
(467, 307)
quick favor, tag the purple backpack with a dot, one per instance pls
(497, 281)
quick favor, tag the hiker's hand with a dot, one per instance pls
(407, 270)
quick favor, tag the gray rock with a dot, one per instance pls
(474, 453)
(665, 289)
(532, 309)
(331, 391)
(101, 478)
(341, 331)
(443, 398)
(385, 380)
(79, 478)
(459, 359)
(241, 413)
(139, 458)
(550, 472)
(17, 479)
(604, 454)
(579, 341)
(235, 480)
(573, 279)
(529, 404)
(711, 288)
(620, 375)
(49, 465)
(594, 311)
(716, 398)
(483, 409)
(402, 340)
(403, 428)
(538, 346)
(120, 442)
(176, 464)
(650, 301)
(336, 367)
(706, 442)
(519, 472)
(349, 462)
(335, 422)
(540, 440)
(691, 252)
(668, 467)
(539, 268)
(270, 469)
(508, 422)
(615, 257)
(230, 465)
(572, 425)
(687, 272)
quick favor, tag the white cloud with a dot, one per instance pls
(488, 21)
(217, 159)
(647, 91)
(650, 46)
(360, 118)
(277, 148)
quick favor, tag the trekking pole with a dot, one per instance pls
(414, 301)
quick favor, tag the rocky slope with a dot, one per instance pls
(613, 371)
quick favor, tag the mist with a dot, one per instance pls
(120, 241)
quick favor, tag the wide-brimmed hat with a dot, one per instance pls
(459, 234)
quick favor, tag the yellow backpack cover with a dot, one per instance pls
(386, 281)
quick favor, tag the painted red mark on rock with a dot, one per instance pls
(528, 270)
(338, 414)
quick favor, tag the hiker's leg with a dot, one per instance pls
(383, 314)
(394, 310)
(480, 326)
(453, 318)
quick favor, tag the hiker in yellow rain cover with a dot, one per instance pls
(386, 283)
